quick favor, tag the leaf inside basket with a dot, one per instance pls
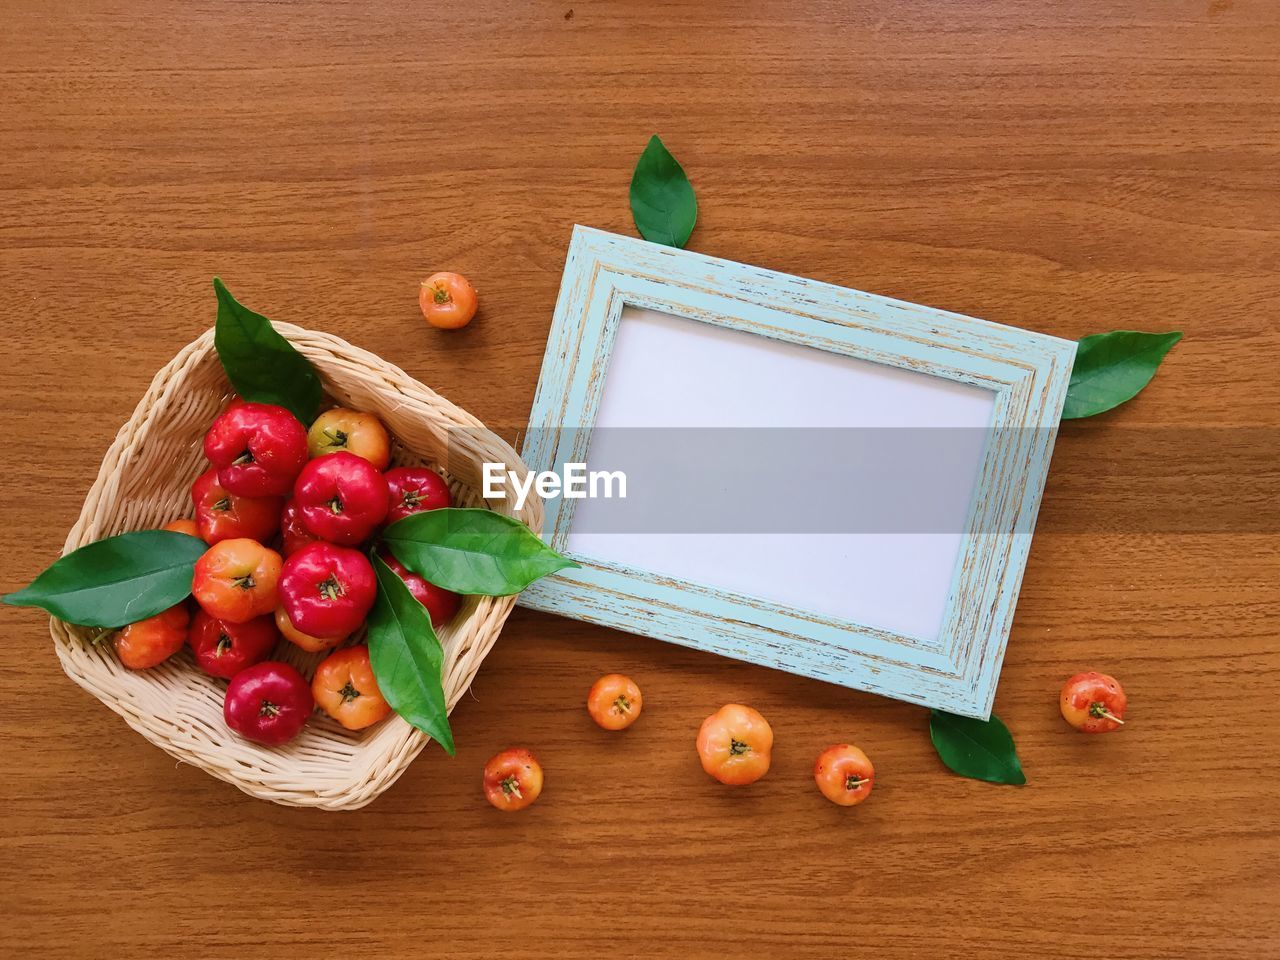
(407, 658)
(262, 365)
(116, 581)
(472, 551)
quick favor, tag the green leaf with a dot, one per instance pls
(407, 658)
(662, 200)
(262, 365)
(472, 551)
(116, 581)
(1113, 367)
(980, 749)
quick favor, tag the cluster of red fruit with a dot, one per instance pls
(316, 494)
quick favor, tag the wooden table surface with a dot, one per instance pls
(1067, 167)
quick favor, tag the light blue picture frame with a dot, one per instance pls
(1028, 373)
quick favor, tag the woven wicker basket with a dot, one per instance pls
(145, 481)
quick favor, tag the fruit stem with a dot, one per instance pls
(737, 748)
(246, 457)
(336, 438)
(1099, 709)
(101, 635)
(511, 787)
(622, 704)
(330, 588)
(349, 692)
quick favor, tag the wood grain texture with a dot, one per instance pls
(1068, 167)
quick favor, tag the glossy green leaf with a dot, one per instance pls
(262, 365)
(407, 658)
(116, 581)
(662, 200)
(472, 551)
(1111, 368)
(980, 749)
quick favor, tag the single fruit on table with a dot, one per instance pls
(1093, 702)
(614, 702)
(257, 449)
(735, 744)
(326, 590)
(269, 703)
(154, 640)
(189, 527)
(441, 605)
(512, 779)
(222, 515)
(341, 498)
(303, 640)
(844, 774)
(345, 689)
(293, 533)
(414, 489)
(236, 580)
(448, 301)
(223, 649)
(360, 433)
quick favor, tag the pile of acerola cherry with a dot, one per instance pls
(735, 744)
(284, 510)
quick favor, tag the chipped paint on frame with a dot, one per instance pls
(1029, 372)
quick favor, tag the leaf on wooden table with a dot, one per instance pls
(979, 749)
(1112, 368)
(662, 200)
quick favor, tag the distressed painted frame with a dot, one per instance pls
(1027, 371)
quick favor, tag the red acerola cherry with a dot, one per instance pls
(257, 449)
(512, 779)
(1093, 702)
(341, 497)
(237, 580)
(223, 649)
(844, 774)
(293, 533)
(614, 701)
(150, 642)
(326, 590)
(302, 640)
(442, 605)
(735, 745)
(223, 515)
(269, 703)
(414, 489)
